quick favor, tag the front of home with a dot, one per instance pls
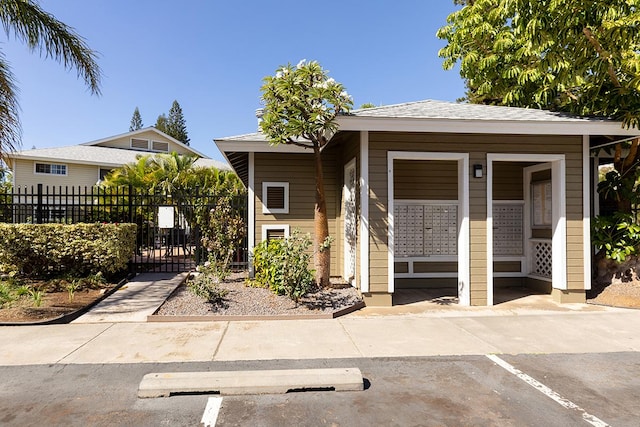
(84, 165)
(435, 194)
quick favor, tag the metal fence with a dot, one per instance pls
(169, 236)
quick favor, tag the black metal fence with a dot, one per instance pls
(169, 224)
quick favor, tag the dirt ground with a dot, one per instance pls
(617, 294)
(54, 304)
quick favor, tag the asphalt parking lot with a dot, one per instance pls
(429, 391)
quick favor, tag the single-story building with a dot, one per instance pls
(434, 193)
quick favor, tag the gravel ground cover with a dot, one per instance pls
(617, 294)
(243, 300)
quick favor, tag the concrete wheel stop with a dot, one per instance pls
(250, 382)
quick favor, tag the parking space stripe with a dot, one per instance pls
(591, 419)
(211, 411)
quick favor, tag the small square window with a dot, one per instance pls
(275, 231)
(275, 197)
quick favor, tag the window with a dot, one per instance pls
(139, 144)
(50, 169)
(275, 197)
(275, 231)
(160, 146)
(103, 174)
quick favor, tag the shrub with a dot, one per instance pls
(617, 235)
(80, 249)
(283, 265)
(206, 286)
(222, 229)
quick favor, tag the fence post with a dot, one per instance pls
(39, 205)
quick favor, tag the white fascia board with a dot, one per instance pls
(522, 127)
(63, 160)
(259, 147)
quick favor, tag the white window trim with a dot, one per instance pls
(464, 293)
(66, 169)
(265, 202)
(267, 227)
(160, 151)
(141, 139)
(364, 211)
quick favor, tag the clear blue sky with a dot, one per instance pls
(212, 55)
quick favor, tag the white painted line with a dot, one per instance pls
(591, 419)
(211, 411)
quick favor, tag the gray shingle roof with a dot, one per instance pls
(430, 109)
(96, 155)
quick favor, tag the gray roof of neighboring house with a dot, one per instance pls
(96, 155)
(430, 109)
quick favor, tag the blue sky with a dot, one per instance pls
(212, 55)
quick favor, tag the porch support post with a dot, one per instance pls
(364, 211)
(559, 215)
(251, 238)
(586, 210)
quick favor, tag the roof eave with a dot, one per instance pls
(475, 126)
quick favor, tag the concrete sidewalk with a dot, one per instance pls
(608, 330)
(137, 299)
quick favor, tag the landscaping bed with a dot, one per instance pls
(624, 294)
(250, 302)
(54, 304)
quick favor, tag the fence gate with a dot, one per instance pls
(169, 232)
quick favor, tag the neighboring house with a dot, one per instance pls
(85, 164)
(433, 193)
(76, 169)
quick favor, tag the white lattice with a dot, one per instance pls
(541, 265)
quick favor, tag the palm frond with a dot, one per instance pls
(10, 129)
(42, 32)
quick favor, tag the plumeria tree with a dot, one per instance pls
(301, 104)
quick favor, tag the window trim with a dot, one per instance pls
(265, 202)
(267, 227)
(160, 142)
(35, 169)
(139, 139)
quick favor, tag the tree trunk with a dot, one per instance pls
(322, 257)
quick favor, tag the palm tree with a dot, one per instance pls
(42, 32)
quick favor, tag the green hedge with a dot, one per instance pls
(42, 249)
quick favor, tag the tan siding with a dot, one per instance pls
(425, 180)
(298, 171)
(125, 142)
(477, 146)
(77, 175)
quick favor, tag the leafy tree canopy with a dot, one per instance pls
(302, 101)
(301, 104)
(577, 56)
(42, 32)
(161, 123)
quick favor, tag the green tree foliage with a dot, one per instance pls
(301, 104)
(43, 33)
(367, 105)
(161, 123)
(575, 56)
(176, 124)
(136, 121)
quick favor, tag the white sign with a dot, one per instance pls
(165, 216)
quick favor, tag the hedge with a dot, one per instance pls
(43, 249)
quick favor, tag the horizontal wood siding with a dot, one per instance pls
(425, 180)
(298, 171)
(125, 142)
(477, 146)
(77, 175)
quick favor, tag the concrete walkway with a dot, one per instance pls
(389, 335)
(136, 300)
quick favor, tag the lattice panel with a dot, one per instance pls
(426, 229)
(541, 253)
(508, 229)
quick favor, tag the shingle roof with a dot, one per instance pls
(430, 109)
(96, 155)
